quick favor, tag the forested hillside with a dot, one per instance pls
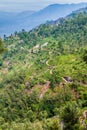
(43, 77)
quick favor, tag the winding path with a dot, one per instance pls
(50, 67)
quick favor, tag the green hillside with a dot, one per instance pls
(43, 77)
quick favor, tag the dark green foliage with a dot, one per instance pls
(84, 56)
(70, 117)
(1, 46)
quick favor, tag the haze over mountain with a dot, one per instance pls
(10, 22)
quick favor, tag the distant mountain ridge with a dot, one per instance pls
(10, 22)
(74, 13)
(78, 11)
(25, 14)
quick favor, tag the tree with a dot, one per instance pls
(84, 56)
(70, 117)
(1, 46)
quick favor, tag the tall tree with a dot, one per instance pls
(1, 46)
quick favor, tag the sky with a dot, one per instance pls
(22, 5)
